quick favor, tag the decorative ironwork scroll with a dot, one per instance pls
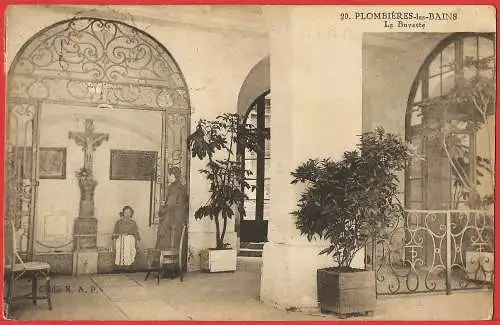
(20, 162)
(94, 61)
(431, 251)
(472, 249)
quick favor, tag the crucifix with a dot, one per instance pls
(89, 140)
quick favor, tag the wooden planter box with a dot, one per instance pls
(346, 293)
(223, 260)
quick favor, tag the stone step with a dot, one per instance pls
(251, 249)
(250, 253)
(254, 246)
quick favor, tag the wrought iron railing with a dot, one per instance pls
(432, 251)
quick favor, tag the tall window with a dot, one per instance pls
(436, 181)
(257, 206)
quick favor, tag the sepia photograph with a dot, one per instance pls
(139, 162)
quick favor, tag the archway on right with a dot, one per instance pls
(449, 187)
(254, 105)
(444, 241)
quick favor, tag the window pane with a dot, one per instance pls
(415, 190)
(418, 93)
(448, 81)
(448, 56)
(435, 86)
(486, 48)
(267, 189)
(485, 149)
(252, 195)
(417, 143)
(414, 206)
(435, 66)
(267, 209)
(251, 165)
(415, 170)
(470, 47)
(416, 116)
(470, 72)
(250, 209)
(438, 168)
(268, 148)
(252, 117)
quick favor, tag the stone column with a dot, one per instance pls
(316, 85)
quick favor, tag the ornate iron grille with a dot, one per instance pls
(94, 61)
(432, 251)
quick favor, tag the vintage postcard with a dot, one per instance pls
(142, 144)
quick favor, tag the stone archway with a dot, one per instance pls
(257, 82)
(90, 63)
(254, 105)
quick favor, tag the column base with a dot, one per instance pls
(288, 277)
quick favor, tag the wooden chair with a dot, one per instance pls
(15, 268)
(172, 259)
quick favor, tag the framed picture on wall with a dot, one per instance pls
(133, 165)
(52, 163)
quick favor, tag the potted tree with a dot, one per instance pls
(218, 141)
(348, 203)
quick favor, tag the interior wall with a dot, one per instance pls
(388, 74)
(58, 200)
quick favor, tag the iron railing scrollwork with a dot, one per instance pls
(435, 251)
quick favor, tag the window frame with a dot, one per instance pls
(421, 82)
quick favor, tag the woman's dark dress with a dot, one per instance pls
(172, 217)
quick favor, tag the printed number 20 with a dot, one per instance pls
(344, 16)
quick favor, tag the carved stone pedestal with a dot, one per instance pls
(85, 233)
(85, 254)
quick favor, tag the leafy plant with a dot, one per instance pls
(218, 141)
(465, 109)
(352, 200)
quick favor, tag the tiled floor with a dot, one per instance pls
(226, 296)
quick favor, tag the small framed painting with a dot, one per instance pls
(52, 163)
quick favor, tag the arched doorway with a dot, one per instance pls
(254, 104)
(257, 205)
(104, 77)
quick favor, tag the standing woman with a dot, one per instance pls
(127, 237)
(172, 214)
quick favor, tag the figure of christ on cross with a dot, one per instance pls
(89, 140)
